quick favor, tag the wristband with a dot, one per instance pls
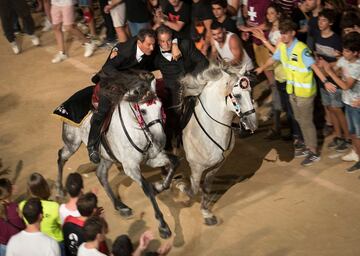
(325, 81)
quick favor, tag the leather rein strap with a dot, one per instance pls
(207, 134)
(142, 151)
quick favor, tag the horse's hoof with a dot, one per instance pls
(211, 221)
(125, 212)
(165, 232)
(158, 187)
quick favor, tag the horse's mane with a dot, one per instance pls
(193, 85)
(129, 85)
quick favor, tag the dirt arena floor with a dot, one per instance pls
(282, 209)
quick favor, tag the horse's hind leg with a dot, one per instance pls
(102, 174)
(206, 200)
(72, 142)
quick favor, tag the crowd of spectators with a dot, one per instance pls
(40, 226)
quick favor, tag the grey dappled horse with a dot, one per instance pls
(208, 137)
(135, 136)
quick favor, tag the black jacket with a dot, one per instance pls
(192, 61)
(126, 59)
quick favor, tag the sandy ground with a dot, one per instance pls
(283, 209)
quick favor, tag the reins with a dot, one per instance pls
(143, 126)
(207, 134)
(142, 151)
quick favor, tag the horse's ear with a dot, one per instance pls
(153, 85)
(242, 70)
(228, 88)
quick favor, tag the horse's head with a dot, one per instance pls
(148, 110)
(239, 100)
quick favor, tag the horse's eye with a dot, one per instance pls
(143, 111)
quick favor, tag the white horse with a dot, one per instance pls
(208, 137)
(135, 136)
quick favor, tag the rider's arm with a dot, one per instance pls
(110, 66)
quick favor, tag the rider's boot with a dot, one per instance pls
(96, 125)
(94, 139)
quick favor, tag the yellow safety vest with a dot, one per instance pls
(299, 78)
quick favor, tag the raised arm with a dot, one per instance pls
(236, 49)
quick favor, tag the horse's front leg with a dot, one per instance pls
(195, 179)
(170, 163)
(206, 199)
(133, 171)
(148, 189)
(102, 174)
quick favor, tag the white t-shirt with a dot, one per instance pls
(83, 251)
(227, 55)
(62, 2)
(64, 212)
(352, 70)
(34, 244)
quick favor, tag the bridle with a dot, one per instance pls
(243, 83)
(145, 127)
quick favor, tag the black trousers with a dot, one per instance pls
(7, 10)
(110, 31)
(171, 104)
(103, 109)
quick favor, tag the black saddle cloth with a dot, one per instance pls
(77, 107)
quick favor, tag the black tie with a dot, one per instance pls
(166, 51)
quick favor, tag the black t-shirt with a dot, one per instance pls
(73, 237)
(137, 12)
(313, 29)
(200, 11)
(230, 25)
(327, 47)
(184, 15)
(301, 21)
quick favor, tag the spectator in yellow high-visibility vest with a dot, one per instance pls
(299, 66)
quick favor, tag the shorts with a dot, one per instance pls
(262, 54)
(85, 3)
(330, 99)
(118, 15)
(353, 120)
(62, 14)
